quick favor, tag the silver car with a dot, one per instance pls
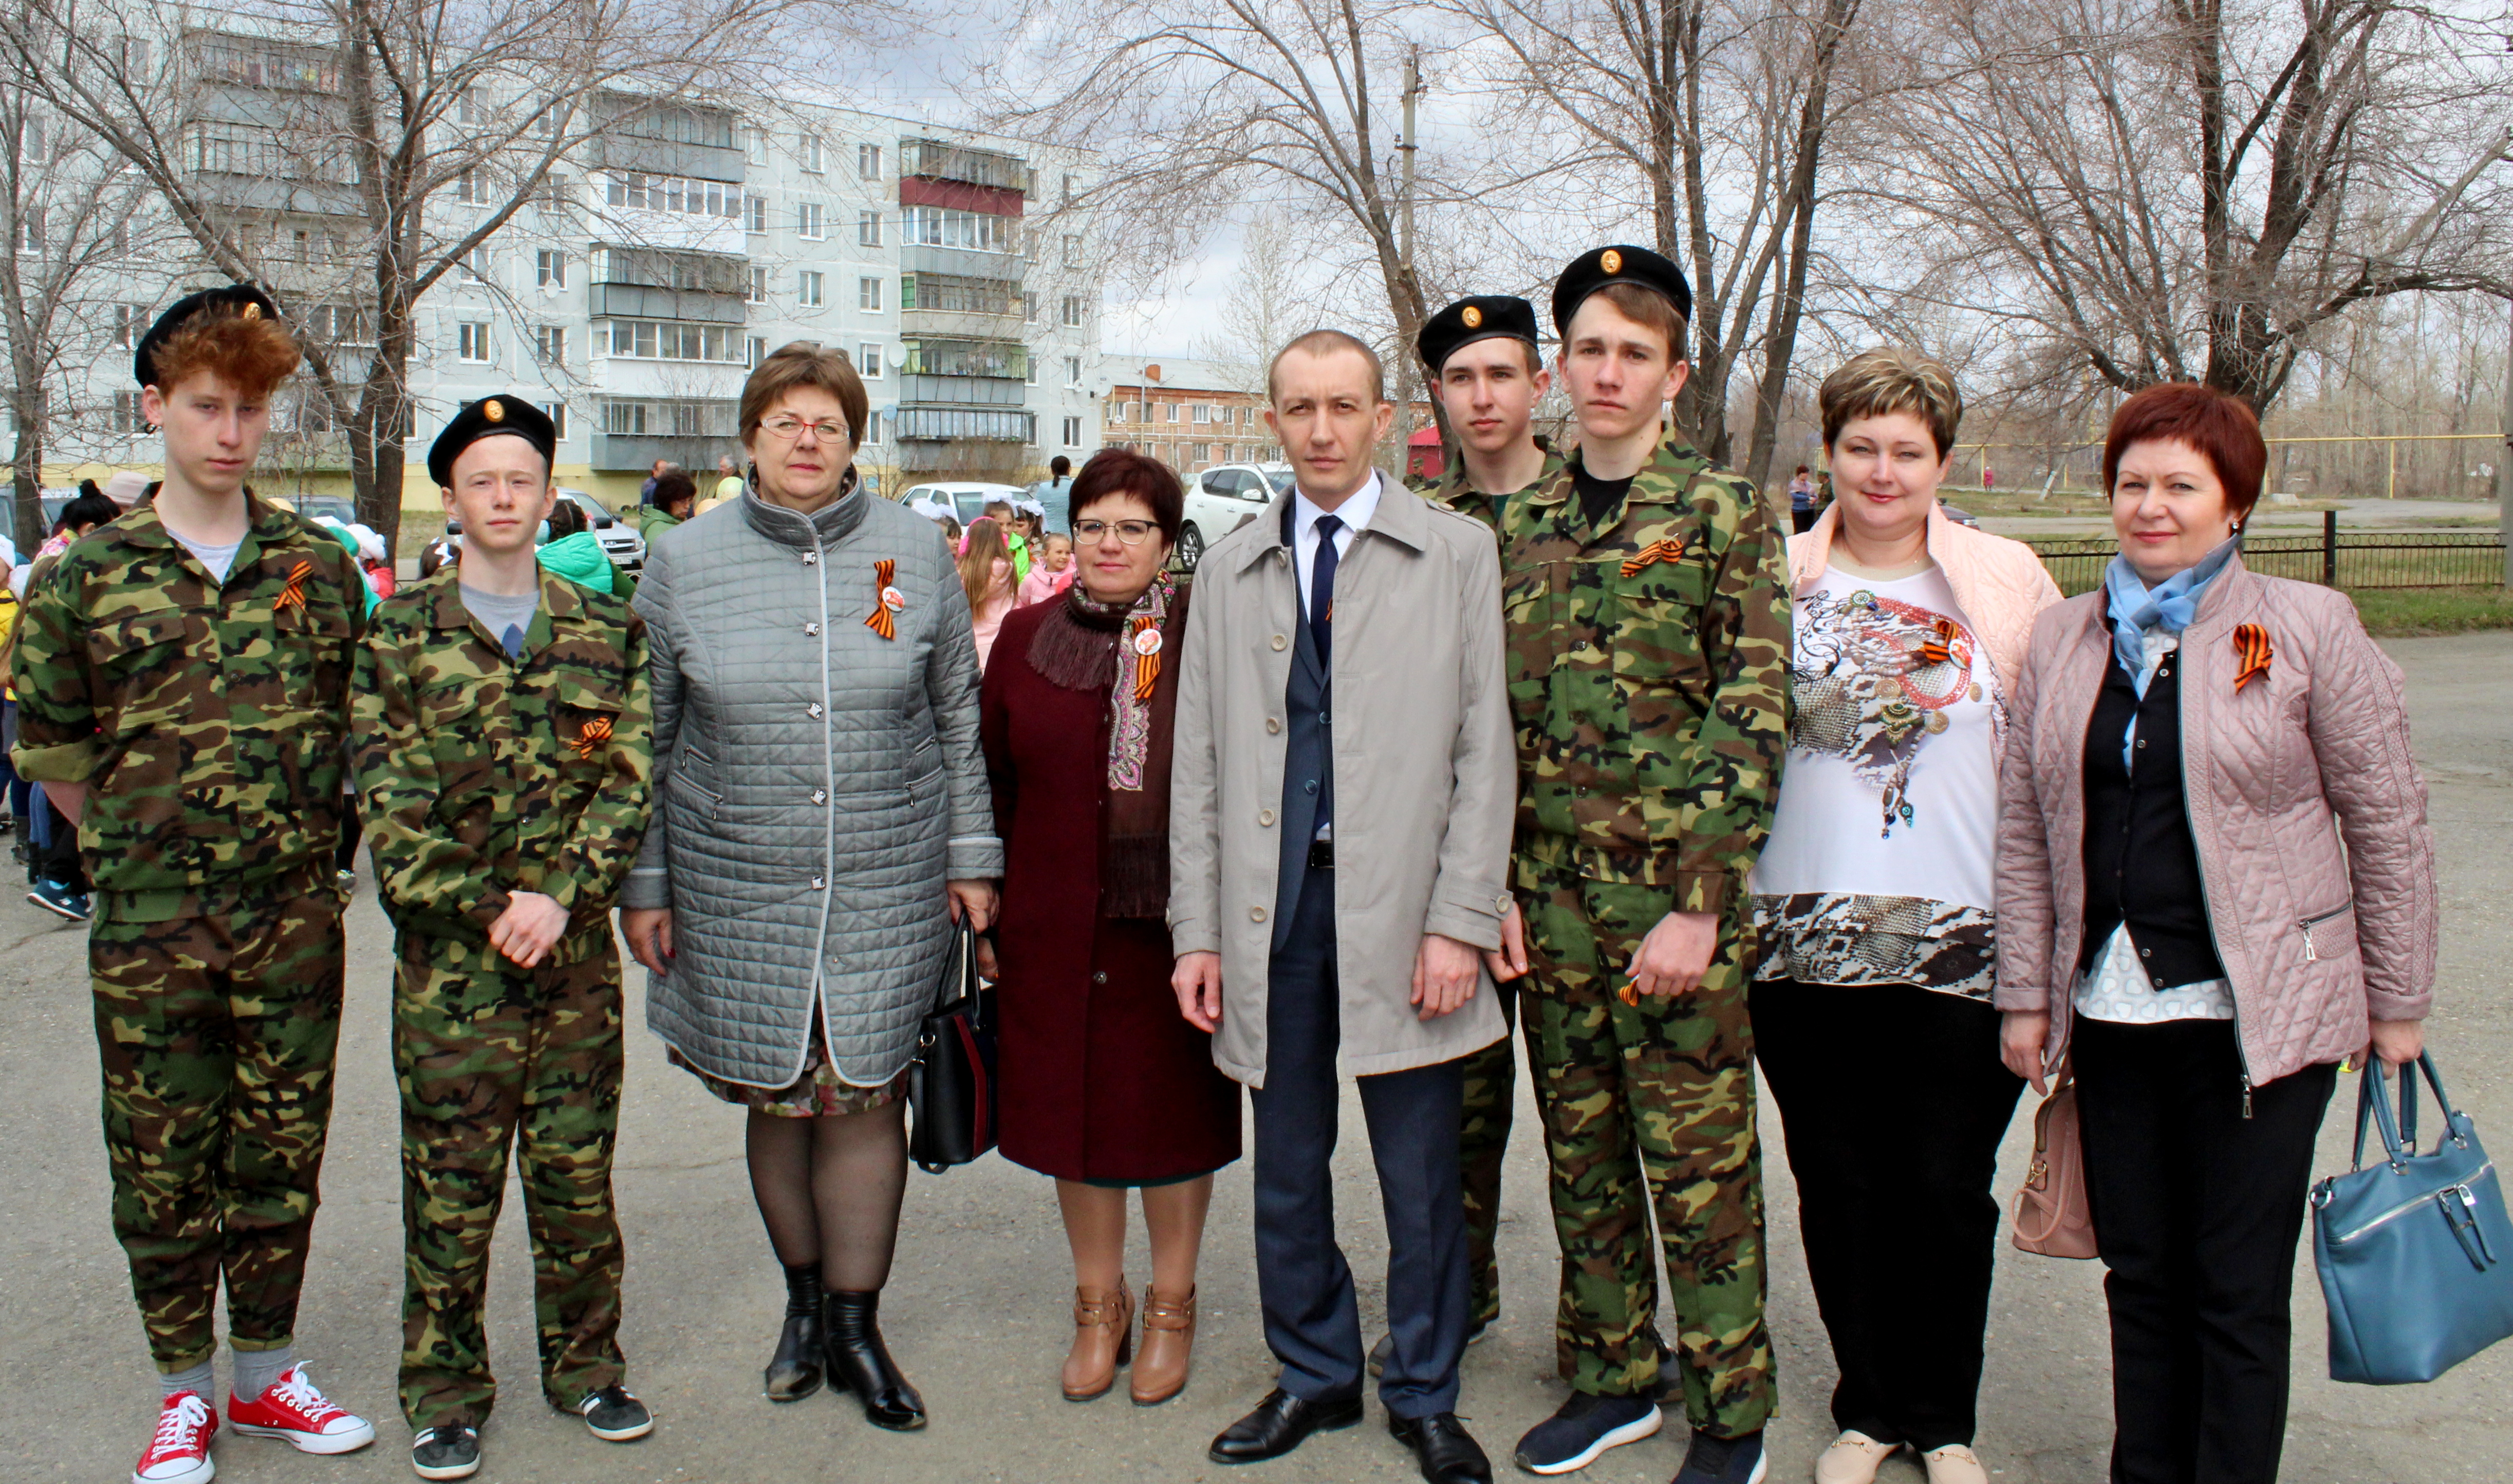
(1221, 499)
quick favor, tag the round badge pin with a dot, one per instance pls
(1148, 642)
(1473, 317)
(1611, 262)
(892, 599)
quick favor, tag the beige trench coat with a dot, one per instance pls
(1426, 775)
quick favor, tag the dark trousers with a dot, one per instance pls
(1893, 1102)
(1312, 1321)
(2196, 1210)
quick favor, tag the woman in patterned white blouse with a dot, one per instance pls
(1873, 905)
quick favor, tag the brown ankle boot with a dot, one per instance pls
(1169, 1339)
(1103, 1337)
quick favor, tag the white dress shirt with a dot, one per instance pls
(1355, 513)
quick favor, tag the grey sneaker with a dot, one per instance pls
(615, 1416)
(445, 1453)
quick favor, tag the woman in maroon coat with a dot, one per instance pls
(1103, 1086)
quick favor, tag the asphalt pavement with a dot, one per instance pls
(977, 1310)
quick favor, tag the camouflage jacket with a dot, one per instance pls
(1450, 491)
(1649, 677)
(484, 774)
(209, 717)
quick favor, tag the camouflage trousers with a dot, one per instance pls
(489, 1054)
(217, 1036)
(1649, 1110)
(1483, 1140)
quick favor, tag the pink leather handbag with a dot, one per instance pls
(2051, 1216)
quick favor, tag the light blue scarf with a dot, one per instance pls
(2138, 610)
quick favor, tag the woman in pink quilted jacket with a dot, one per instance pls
(1872, 904)
(2215, 882)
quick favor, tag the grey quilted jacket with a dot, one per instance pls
(815, 784)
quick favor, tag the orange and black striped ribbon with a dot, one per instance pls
(1938, 650)
(293, 596)
(880, 621)
(2252, 645)
(1667, 549)
(1147, 666)
(591, 737)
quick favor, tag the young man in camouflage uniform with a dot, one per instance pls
(1487, 369)
(183, 695)
(1645, 597)
(502, 746)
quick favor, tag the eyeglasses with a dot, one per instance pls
(789, 428)
(1131, 532)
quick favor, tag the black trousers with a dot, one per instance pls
(2196, 1210)
(1304, 1285)
(1894, 1101)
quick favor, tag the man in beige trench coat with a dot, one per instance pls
(1341, 800)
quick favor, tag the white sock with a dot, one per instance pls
(197, 1380)
(256, 1370)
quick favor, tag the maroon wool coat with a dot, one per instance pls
(1101, 1077)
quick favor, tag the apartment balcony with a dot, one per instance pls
(625, 452)
(964, 391)
(642, 283)
(961, 262)
(940, 160)
(669, 138)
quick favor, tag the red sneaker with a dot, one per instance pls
(295, 1413)
(179, 1452)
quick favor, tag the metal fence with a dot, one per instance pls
(2373, 559)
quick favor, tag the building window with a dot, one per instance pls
(754, 145)
(1073, 250)
(549, 268)
(1029, 371)
(758, 351)
(126, 324)
(868, 295)
(549, 344)
(1200, 413)
(1169, 412)
(472, 342)
(125, 413)
(557, 193)
(1072, 426)
(1073, 317)
(873, 428)
(467, 188)
(757, 293)
(809, 220)
(868, 361)
(475, 267)
(1073, 370)
(1067, 196)
(675, 193)
(754, 213)
(1201, 453)
(808, 285)
(869, 229)
(935, 226)
(673, 340)
(869, 161)
(466, 106)
(557, 411)
(810, 154)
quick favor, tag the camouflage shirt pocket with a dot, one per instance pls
(585, 713)
(144, 664)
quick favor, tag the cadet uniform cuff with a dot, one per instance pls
(69, 762)
(1700, 891)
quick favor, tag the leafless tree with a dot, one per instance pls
(317, 144)
(1260, 309)
(1707, 118)
(2196, 190)
(72, 216)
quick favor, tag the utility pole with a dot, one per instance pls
(2504, 461)
(1405, 147)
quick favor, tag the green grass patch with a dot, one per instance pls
(2406, 612)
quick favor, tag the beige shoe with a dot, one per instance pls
(1103, 1339)
(1853, 1458)
(1168, 1341)
(1954, 1464)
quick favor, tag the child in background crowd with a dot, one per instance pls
(1054, 572)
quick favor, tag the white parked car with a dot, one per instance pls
(1221, 499)
(965, 499)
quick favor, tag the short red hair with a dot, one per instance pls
(2219, 425)
(252, 355)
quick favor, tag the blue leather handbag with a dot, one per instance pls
(2415, 1254)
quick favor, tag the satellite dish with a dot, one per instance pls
(889, 409)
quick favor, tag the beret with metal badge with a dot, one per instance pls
(490, 417)
(1483, 317)
(1619, 264)
(244, 301)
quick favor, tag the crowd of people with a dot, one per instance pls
(1572, 745)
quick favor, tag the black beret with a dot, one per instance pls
(243, 300)
(489, 417)
(1619, 264)
(1483, 317)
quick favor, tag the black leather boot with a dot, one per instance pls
(859, 1361)
(796, 1371)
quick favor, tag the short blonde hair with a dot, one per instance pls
(804, 364)
(1326, 342)
(1891, 379)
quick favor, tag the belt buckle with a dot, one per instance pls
(1322, 855)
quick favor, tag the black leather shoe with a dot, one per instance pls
(859, 1361)
(794, 1371)
(1441, 1446)
(1280, 1423)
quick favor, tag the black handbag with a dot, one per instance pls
(951, 1086)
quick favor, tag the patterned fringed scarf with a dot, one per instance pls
(1088, 645)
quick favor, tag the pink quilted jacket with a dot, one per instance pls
(1999, 584)
(2307, 809)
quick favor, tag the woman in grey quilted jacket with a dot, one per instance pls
(821, 819)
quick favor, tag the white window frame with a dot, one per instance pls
(869, 297)
(811, 221)
(810, 152)
(1071, 318)
(549, 268)
(557, 411)
(868, 361)
(867, 162)
(549, 344)
(1072, 370)
(869, 229)
(757, 293)
(754, 216)
(471, 343)
(811, 288)
(1072, 427)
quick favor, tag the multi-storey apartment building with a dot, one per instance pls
(658, 263)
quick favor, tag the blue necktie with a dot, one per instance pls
(1321, 573)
